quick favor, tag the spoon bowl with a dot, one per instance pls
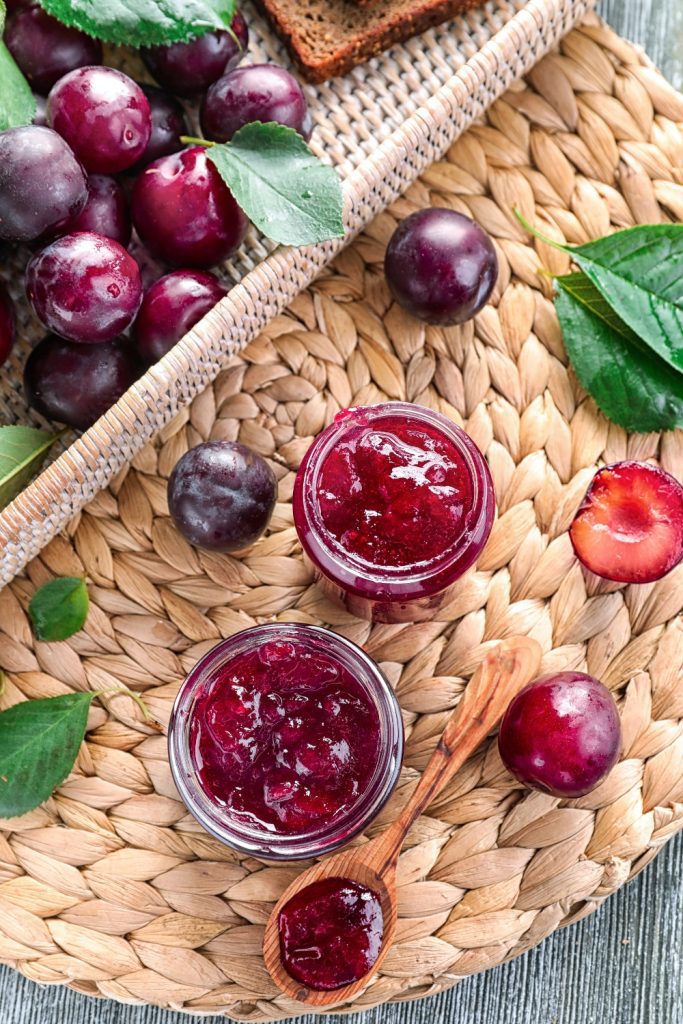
(503, 672)
(359, 865)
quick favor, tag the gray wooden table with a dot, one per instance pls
(623, 965)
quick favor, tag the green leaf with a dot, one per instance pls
(639, 273)
(22, 451)
(143, 22)
(290, 195)
(59, 608)
(17, 105)
(39, 741)
(633, 387)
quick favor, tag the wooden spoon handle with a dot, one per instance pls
(501, 675)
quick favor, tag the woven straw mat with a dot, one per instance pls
(111, 887)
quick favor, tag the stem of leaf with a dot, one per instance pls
(538, 234)
(228, 29)
(123, 691)
(191, 140)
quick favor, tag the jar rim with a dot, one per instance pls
(358, 576)
(260, 842)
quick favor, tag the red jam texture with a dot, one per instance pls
(394, 491)
(331, 933)
(284, 738)
(392, 503)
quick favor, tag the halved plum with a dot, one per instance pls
(629, 527)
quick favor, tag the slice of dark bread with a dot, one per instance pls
(328, 37)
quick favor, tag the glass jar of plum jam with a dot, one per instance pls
(285, 741)
(392, 504)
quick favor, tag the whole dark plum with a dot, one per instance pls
(221, 495)
(104, 116)
(45, 49)
(76, 384)
(561, 734)
(188, 69)
(184, 212)
(84, 287)
(171, 307)
(254, 92)
(440, 266)
(42, 184)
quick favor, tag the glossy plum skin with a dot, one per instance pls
(331, 933)
(45, 50)
(187, 69)
(76, 384)
(105, 211)
(168, 124)
(221, 495)
(184, 213)
(171, 307)
(104, 116)
(84, 287)
(255, 92)
(561, 734)
(29, 210)
(7, 325)
(440, 266)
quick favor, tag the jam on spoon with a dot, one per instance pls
(331, 933)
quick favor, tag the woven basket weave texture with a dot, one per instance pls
(111, 887)
(381, 125)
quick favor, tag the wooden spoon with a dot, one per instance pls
(503, 672)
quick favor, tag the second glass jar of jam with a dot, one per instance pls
(392, 503)
(285, 741)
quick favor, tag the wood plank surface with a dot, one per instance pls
(623, 965)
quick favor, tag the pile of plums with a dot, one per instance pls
(103, 156)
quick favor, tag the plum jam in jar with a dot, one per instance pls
(285, 741)
(392, 504)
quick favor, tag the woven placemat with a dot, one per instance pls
(111, 887)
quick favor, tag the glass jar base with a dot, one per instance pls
(381, 610)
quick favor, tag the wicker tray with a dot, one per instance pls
(111, 887)
(381, 125)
